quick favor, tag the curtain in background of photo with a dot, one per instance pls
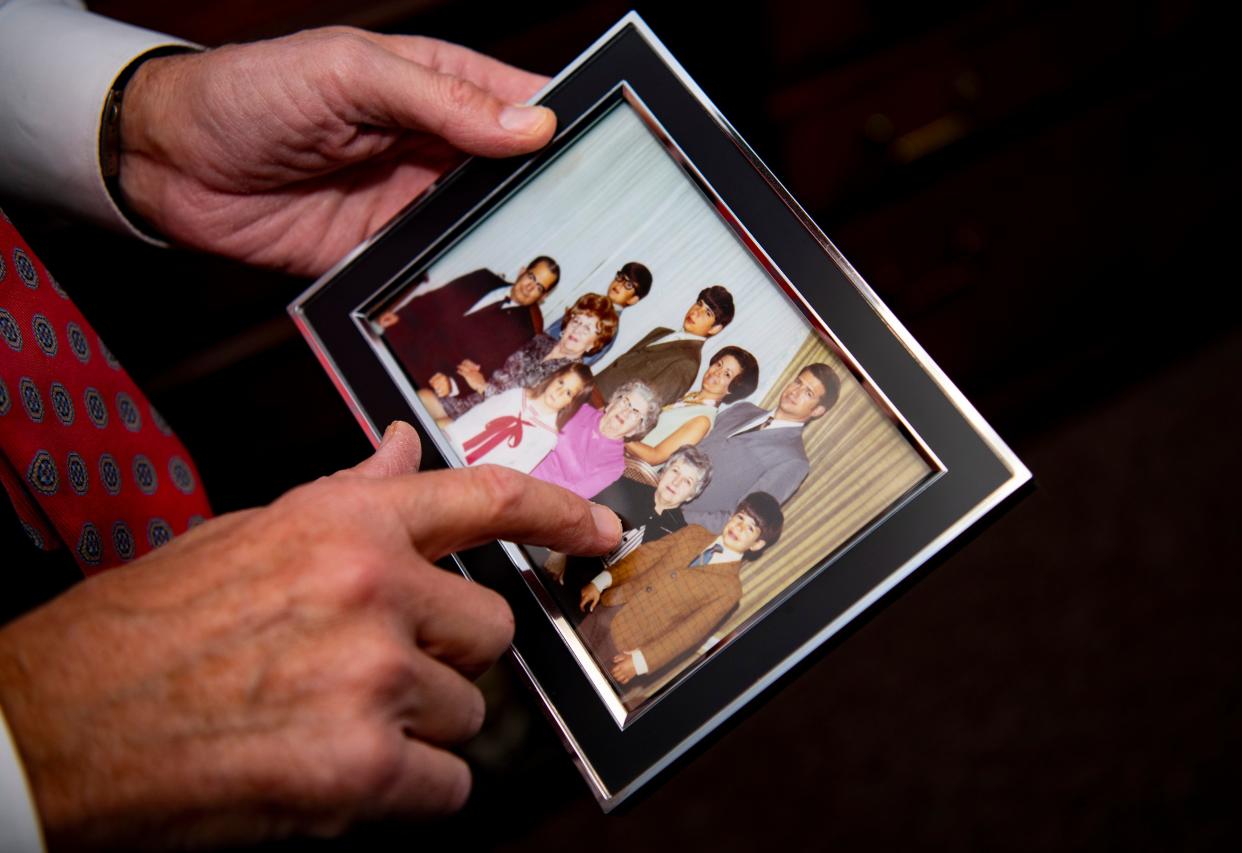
(860, 465)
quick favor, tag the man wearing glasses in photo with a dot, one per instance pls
(631, 283)
(479, 310)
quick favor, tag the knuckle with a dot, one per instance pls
(338, 30)
(385, 669)
(360, 761)
(357, 580)
(372, 766)
(459, 95)
(348, 40)
(449, 711)
(423, 46)
(344, 56)
(501, 490)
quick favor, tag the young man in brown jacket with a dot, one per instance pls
(664, 599)
(668, 361)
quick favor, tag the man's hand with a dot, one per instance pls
(589, 598)
(281, 670)
(472, 374)
(623, 668)
(440, 384)
(288, 153)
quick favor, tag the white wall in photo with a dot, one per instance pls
(616, 195)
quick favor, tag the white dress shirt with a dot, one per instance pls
(680, 335)
(501, 295)
(57, 65)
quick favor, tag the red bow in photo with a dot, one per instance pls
(497, 430)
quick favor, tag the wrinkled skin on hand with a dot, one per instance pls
(289, 669)
(288, 153)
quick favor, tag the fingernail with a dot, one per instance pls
(606, 522)
(389, 433)
(519, 119)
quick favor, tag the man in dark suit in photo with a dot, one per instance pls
(756, 450)
(478, 316)
(668, 361)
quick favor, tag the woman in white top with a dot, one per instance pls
(732, 375)
(518, 427)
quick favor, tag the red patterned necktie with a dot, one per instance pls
(84, 457)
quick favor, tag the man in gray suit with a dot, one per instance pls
(756, 450)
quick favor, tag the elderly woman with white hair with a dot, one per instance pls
(647, 513)
(590, 454)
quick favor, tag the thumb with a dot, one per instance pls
(461, 113)
(399, 452)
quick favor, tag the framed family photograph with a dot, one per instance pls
(642, 314)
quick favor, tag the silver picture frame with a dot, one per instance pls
(619, 749)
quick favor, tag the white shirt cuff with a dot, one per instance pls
(19, 823)
(602, 581)
(640, 662)
(58, 63)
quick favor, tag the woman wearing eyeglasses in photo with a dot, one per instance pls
(631, 283)
(588, 326)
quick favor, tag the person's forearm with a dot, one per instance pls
(691, 432)
(644, 452)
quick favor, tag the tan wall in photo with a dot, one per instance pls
(860, 465)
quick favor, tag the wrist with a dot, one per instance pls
(133, 166)
(54, 753)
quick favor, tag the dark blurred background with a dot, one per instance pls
(1043, 193)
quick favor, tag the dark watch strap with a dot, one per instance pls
(110, 131)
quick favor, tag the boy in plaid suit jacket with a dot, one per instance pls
(664, 599)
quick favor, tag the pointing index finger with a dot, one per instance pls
(447, 511)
